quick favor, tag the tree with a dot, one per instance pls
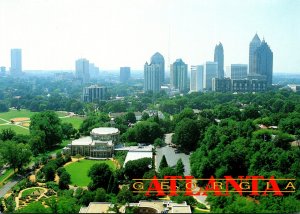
(124, 196)
(130, 117)
(3, 107)
(145, 116)
(137, 168)
(100, 195)
(49, 123)
(37, 142)
(101, 176)
(7, 134)
(68, 130)
(163, 162)
(78, 156)
(67, 205)
(49, 172)
(35, 207)
(186, 135)
(16, 155)
(64, 180)
(179, 167)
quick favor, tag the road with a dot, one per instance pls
(9, 185)
(171, 156)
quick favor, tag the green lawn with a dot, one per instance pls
(15, 113)
(76, 121)
(6, 175)
(79, 170)
(61, 113)
(30, 191)
(17, 129)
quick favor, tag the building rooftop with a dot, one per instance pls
(104, 131)
(137, 154)
(84, 141)
(97, 207)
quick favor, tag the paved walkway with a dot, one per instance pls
(8, 186)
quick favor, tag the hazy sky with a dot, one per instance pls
(114, 33)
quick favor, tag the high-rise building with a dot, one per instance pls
(154, 73)
(263, 58)
(221, 85)
(16, 62)
(210, 71)
(93, 71)
(238, 71)
(82, 70)
(2, 71)
(178, 75)
(94, 93)
(159, 60)
(124, 74)
(254, 44)
(196, 83)
(219, 58)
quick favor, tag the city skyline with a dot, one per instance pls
(53, 34)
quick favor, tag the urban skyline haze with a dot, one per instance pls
(54, 33)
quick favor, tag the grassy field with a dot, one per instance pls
(15, 113)
(17, 129)
(30, 191)
(79, 171)
(76, 121)
(6, 175)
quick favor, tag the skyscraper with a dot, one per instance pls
(178, 75)
(124, 74)
(210, 71)
(219, 58)
(154, 73)
(16, 62)
(151, 77)
(93, 71)
(238, 71)
(260, 60)
(254, 44)
(196, 83)
(263, 58)
(159, 60)
(82, 70)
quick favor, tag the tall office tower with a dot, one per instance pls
(16, 62)
(159, 60)
(238, 71)
(93, 71)
(82, 70)
(178, 75)
(210, 71)
(263, 58)
(219, 58)
(94, 93)
(254, 44)
(196, 83)
(124, 74)
(2, 71)
(154, 73)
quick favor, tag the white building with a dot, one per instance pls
(238, 71)
(82, 70)
(16, 62)
(210, 71)
(100, 143)
(196, 83)
(94, 93)
(154, 73)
